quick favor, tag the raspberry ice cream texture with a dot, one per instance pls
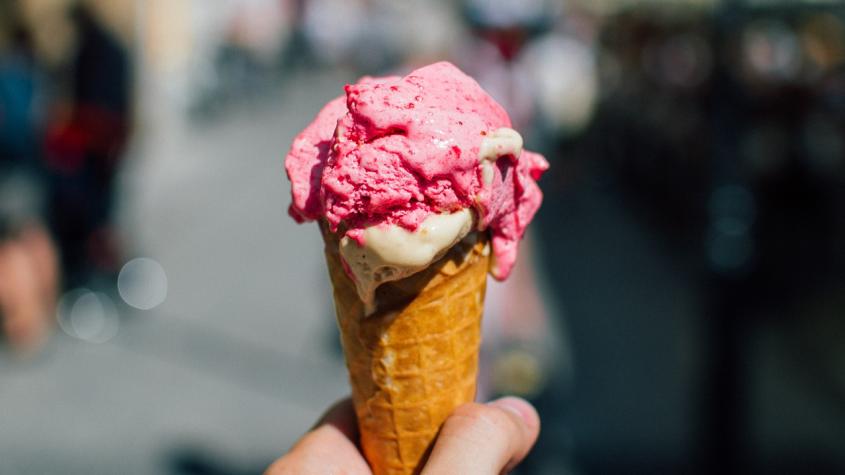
(397, 150)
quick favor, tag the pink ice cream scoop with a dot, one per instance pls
(396, 151)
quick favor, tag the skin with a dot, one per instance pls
(28, 282)
(477, 439)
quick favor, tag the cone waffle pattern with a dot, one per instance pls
(416, 359)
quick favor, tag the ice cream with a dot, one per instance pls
(395, 152)
(412, 180)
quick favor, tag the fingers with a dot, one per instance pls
(485, 439)
(328, 448)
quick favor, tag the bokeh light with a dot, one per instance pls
(87, 315)
(142, 283)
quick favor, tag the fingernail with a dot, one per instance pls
(518, 406)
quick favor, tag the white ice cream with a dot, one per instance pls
(498, 143)
(392, 253)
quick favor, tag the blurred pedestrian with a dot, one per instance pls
(84, 148)
(28, 267)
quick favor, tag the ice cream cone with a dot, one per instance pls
(414, 360)
(415, 174)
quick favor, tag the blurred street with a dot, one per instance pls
(239, 339)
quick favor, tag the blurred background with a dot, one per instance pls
(679, 306)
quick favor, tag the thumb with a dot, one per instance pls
(485, 439)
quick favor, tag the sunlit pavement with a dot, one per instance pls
(238, 359)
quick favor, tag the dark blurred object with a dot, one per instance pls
(508, 25)
(17, 95)
(83, 147)
(775, 211)
(723, 133)
(187, 459)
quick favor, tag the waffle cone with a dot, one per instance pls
(414, 360)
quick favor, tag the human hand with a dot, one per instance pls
(477, 439)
